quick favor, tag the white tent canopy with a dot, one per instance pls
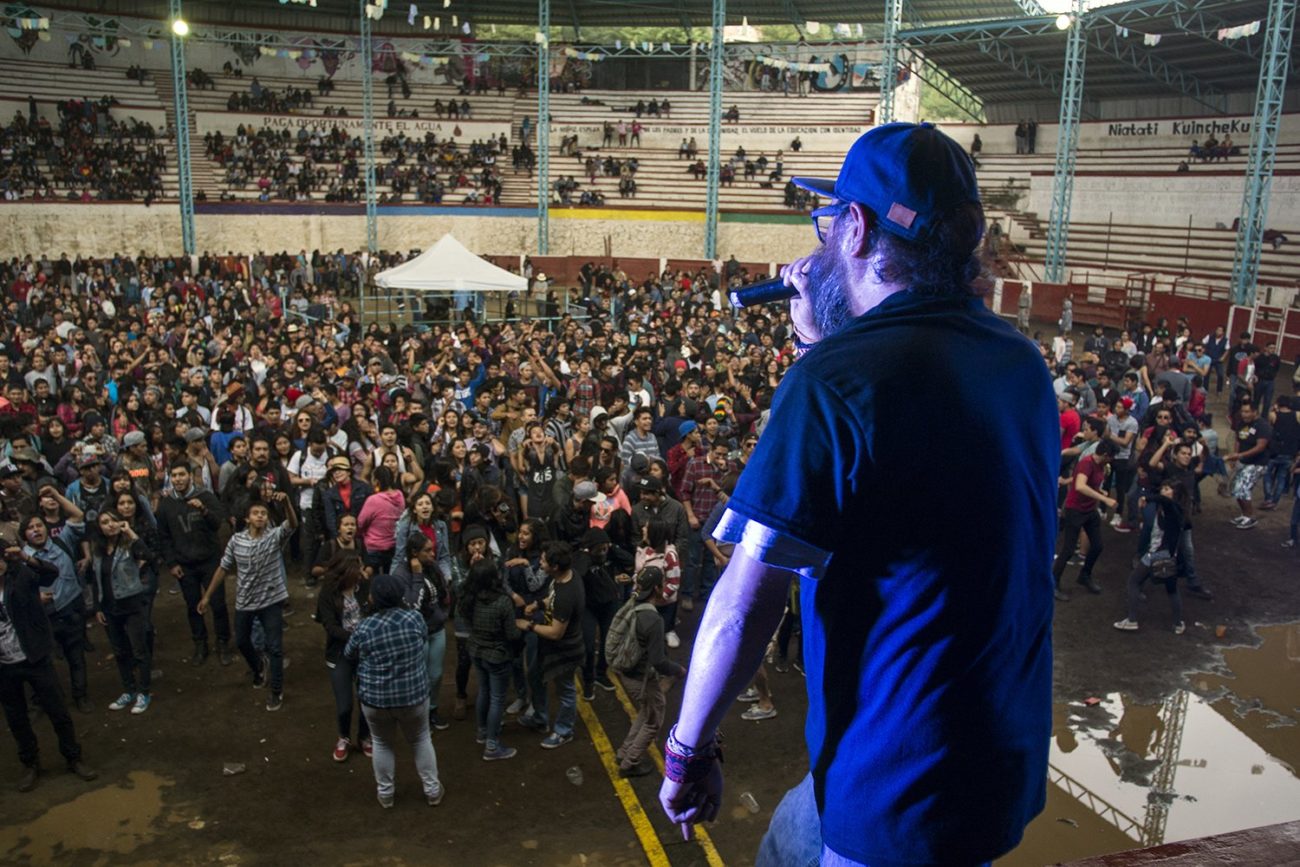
(448, 267)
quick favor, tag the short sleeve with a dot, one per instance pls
(228, 558)
(808, 465)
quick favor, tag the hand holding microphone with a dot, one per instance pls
(790, 285)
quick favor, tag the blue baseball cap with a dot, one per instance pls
(909, 174)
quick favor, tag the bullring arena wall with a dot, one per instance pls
(100, 229)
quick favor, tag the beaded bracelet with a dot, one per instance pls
(684, 764)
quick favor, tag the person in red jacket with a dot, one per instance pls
(680, 455)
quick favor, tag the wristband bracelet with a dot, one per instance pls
(684, 764)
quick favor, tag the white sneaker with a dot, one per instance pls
(1126, 625)
(1180, 627)
(748, 695)
(1239, 520)
(1116, 520)
(1289, 543)
(1248, 524)
(672, 639)
(122, 702)
(516, 706)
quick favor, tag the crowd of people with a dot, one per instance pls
(326, 162)
(544, 492)
(1138, 438)
(88, 156)
(519, 483)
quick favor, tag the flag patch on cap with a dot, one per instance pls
(901, 215)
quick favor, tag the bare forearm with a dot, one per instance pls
(744, 611)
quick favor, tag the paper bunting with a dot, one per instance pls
(592, 56)
(1151, 39)
(796, 65)
(1241, 30)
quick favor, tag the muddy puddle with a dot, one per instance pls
(113, 821)
(1220, 757)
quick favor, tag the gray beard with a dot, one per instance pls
(827, 293)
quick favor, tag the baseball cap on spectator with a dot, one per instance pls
(586, 491)
(909, 174)
(593, 537)
(597, 412)
(25, 455)
(1069, 396)
(234, 388)
(91, 419)
(640, 463)
(292, 395)
(194, 434)
(649, 485)
(680, 364)
(684, 429)
(88, 459)
(303, 401)
(8, 470)
(1127, 401)
(134, 438)
(339, 462)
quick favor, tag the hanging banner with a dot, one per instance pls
(227, 123)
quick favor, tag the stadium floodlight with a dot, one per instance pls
(1064, 21)
(181, 27)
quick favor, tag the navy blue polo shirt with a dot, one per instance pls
(917, 449)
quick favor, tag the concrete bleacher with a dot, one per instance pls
(1128, 242)
(51, 83)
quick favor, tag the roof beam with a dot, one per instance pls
(976, 31)
(1171, 75)
(577, 24)
(796, 17)
(953, 90)
(1008, 56)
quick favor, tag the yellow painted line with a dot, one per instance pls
(645, 832)
(711, 854)
(626, 214)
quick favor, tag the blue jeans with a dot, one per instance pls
(701, 571)
(794, 837)
(567, 715)
(1277, 477)
(490, 706)
(1295, 521)
(271, 619)
(435, 649)
(1187, 559)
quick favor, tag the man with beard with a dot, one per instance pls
(939, 640)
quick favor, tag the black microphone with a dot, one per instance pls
(764, 292)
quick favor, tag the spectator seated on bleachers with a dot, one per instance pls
(88, 157)
(698, 170)
(200, 80)
(259, 98)
(732, 115)
(138, 74)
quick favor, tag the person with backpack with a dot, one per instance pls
(636, 649)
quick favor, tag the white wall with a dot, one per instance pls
(1113, 134)
(228, 122)
(106, 229)
(1165, 200)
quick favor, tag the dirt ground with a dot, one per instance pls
(162, 796)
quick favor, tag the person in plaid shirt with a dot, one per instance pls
(583, 390)
(393, 683)
(699, 489)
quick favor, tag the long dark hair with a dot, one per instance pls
(483, 584)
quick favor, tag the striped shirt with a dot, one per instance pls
(259, 564)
